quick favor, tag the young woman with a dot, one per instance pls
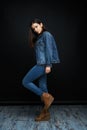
(46, 54)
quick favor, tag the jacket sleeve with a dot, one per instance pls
(48, 48)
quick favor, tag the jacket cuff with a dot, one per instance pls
(48, 65)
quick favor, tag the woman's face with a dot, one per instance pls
(37, 27)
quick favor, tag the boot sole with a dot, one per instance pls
(47, 114)
(46, 118)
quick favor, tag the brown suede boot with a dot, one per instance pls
(44, 116)
(47, 99)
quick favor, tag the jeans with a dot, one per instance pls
(37, 72)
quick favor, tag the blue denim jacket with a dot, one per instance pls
(46, 50)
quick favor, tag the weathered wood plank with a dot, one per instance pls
(63, 117)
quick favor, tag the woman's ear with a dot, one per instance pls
(41, 24)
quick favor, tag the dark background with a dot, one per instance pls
(67, 22)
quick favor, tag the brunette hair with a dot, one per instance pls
(32, 35)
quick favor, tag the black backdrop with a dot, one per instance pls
(67, 22)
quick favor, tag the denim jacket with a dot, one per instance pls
(46, 49)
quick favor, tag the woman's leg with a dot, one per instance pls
(46, 98)
(36, 72)
(43, 83)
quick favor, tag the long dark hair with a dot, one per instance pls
(32, 35)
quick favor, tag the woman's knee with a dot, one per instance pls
(24, 82)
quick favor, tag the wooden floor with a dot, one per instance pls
(63, 117)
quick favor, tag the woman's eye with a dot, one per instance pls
(36, 27)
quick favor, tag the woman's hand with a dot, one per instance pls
(48, 69)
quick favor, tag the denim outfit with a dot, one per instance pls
(46, 55)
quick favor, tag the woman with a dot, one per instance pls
(46, 54)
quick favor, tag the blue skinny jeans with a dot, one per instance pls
(37, 72)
